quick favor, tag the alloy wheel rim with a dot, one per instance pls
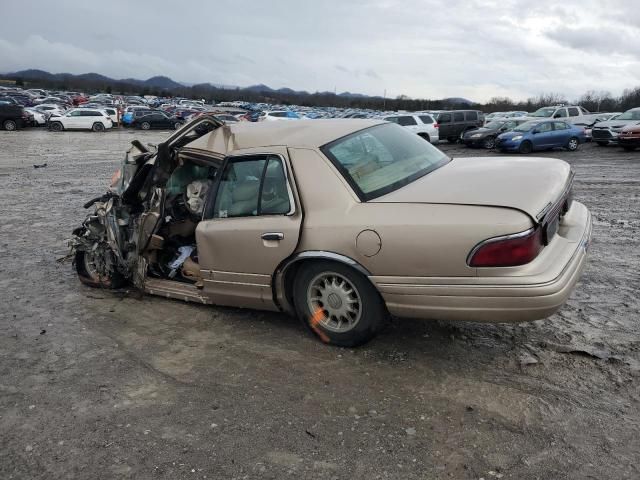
(335, 301)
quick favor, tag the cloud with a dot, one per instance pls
(421, 48)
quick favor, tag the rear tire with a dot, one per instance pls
(145, 125)
(98, 127)
(88, 274)
(338, 304)
(10, 125)
(526, 147)
(573, 144)
(56, 126)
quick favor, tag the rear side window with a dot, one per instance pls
(392, 119)
(426, 119)
(472, 116)
(444, 118)
(406, 121)
(573, 112)
(252, 186)
(458, 117)
(561, 113)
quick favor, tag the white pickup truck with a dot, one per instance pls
(571, 114)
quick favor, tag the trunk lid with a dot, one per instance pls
(529, 184)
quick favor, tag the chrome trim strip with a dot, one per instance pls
(501, 238)
(551, 205)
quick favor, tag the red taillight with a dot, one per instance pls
(507, 251)
(435, 125)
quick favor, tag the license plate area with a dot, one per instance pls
(551, 228)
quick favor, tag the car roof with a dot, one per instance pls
(314, 134)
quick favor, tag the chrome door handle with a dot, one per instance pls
(273, 236)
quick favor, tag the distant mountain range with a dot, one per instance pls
(166, 83)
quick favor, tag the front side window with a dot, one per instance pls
(561, 113)
(381, 159)
(574, 112)
(560, 126)
(544, 127)
(252, 186)
(444, 118)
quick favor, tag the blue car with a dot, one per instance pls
(541, 135)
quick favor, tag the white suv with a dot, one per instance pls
(81, 119)
(422, 124)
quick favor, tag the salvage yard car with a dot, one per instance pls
(607, 131)
(536, 135)
(340, 222)
(485, 137)
(81, 119)
(629, 137)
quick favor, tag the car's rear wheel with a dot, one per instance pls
(91, 267)
(56, 126)
(573, 144)
(145, 125)
(489, 143)
(177, 125)
(338, 304)
(425, 136)
(526, 147)
(603, 144)
(98, 127)
(10, 125)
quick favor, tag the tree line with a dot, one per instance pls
(595, 101)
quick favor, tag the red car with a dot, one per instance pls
(629, 137)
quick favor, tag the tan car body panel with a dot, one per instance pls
(413, 242)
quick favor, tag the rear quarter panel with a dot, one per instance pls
(417, 239)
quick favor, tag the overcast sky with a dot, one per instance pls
(424, 49)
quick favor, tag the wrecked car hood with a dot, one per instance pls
(527, 184)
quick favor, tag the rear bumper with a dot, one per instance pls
(536, 294)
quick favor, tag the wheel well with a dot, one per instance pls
(294, 268)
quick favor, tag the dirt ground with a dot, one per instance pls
(96, 385)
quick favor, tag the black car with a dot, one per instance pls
(13, 116)
(485, 137)
(453, 123)
(156, 120)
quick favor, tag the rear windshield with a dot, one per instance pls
(383, 158)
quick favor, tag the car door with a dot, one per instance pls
(250, 227)
(459, 124)
(543, 138)
(562, 132)
(73, 119)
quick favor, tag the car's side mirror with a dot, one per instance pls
(557, 115)
(535, 131)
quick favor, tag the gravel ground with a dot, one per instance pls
(95, 384)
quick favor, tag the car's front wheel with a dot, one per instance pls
(56, 126)
(177, 125)
(338, 304)
(93, 271)
(10, 125)
(145, 125)
(489, 143)
(526, 147)
(573, 144)
(98, 127)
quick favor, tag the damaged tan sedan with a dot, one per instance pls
(343, 223)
